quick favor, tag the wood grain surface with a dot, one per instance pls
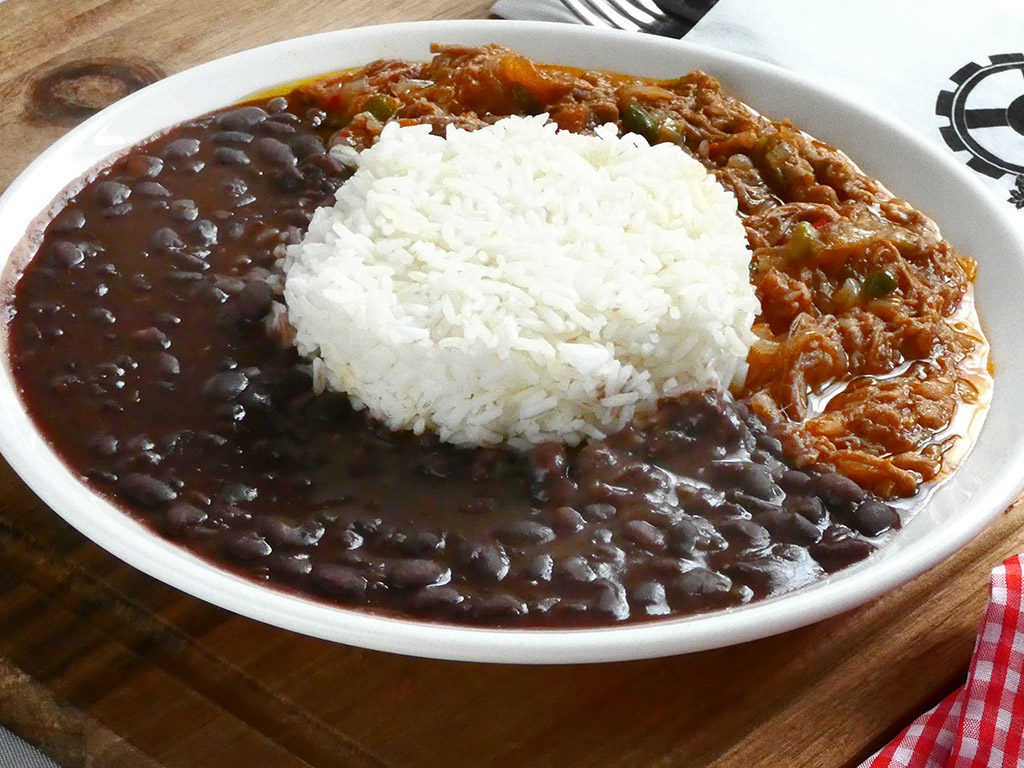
(103, 666)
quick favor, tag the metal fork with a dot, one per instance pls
(629, 15)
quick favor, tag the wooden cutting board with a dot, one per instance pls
(103, 666)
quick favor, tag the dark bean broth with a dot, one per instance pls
(140, 346)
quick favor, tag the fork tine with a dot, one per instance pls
(598, 15)
(584, 14)
(652, 8)
(636, 12)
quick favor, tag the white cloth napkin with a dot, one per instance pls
(532, 10)
(952, 70)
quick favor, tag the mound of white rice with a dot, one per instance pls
(519, 284)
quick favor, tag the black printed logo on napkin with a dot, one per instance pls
(986, 118)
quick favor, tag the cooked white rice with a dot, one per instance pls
(519, 284)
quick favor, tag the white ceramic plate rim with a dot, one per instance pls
(990, 479)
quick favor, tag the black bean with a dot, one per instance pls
(229, 514)
(225, 386)
(65, 253)
(558, 491)
(70, 219)
(497, 607)
(203, 232)
(835, 489)
(598, 459)
(422, 543)
(567, 520)
(328, 165)
(278, 125)
(146, 490)
(230, 284)
(152, 189)
(601, 536)
(523, 532)
(184, 209)
(298, 217)
(488, 561)
(873, 517)
(839, 548)
(289, 180)
(291, 564)
(236, 493)
(699, 588)
(230, 156)
(752, 504)
(167, 364)
(598, 512)
(141, 460)
(248, 546)
(240, 119)
(181, 148)
(682, 536)
(210, 294)
(182, 516)
(254, 300)
(765, 576)
(188, 165)
(307, 144)
(650, 596)
(151, 338)
(349, 539)
(611, 599)
(275, 152)
(539, 568)
(100, 475)
(231, 137)
(103, 445)
(794, 481)
(280, 532)
(111, 193)
(752, 479)
(809, 507)
(641, 476)
(789, 527)
(608, 553)
(574, 570)
(257, 398)
(143, 166)
(390, 539)
(772, 446)
(648, 536)
(430, 599)
(236, 191)
(233, 230)
(277, 105)
(139, 443)
(339, 580)
(198, 266)
(166, 239)
(744, 534)
(417, 572)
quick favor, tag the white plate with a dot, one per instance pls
(986, 483)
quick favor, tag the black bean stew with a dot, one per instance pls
(140, 344)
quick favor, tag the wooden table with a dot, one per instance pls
(102, 666)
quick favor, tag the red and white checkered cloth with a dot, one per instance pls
(981, 724)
